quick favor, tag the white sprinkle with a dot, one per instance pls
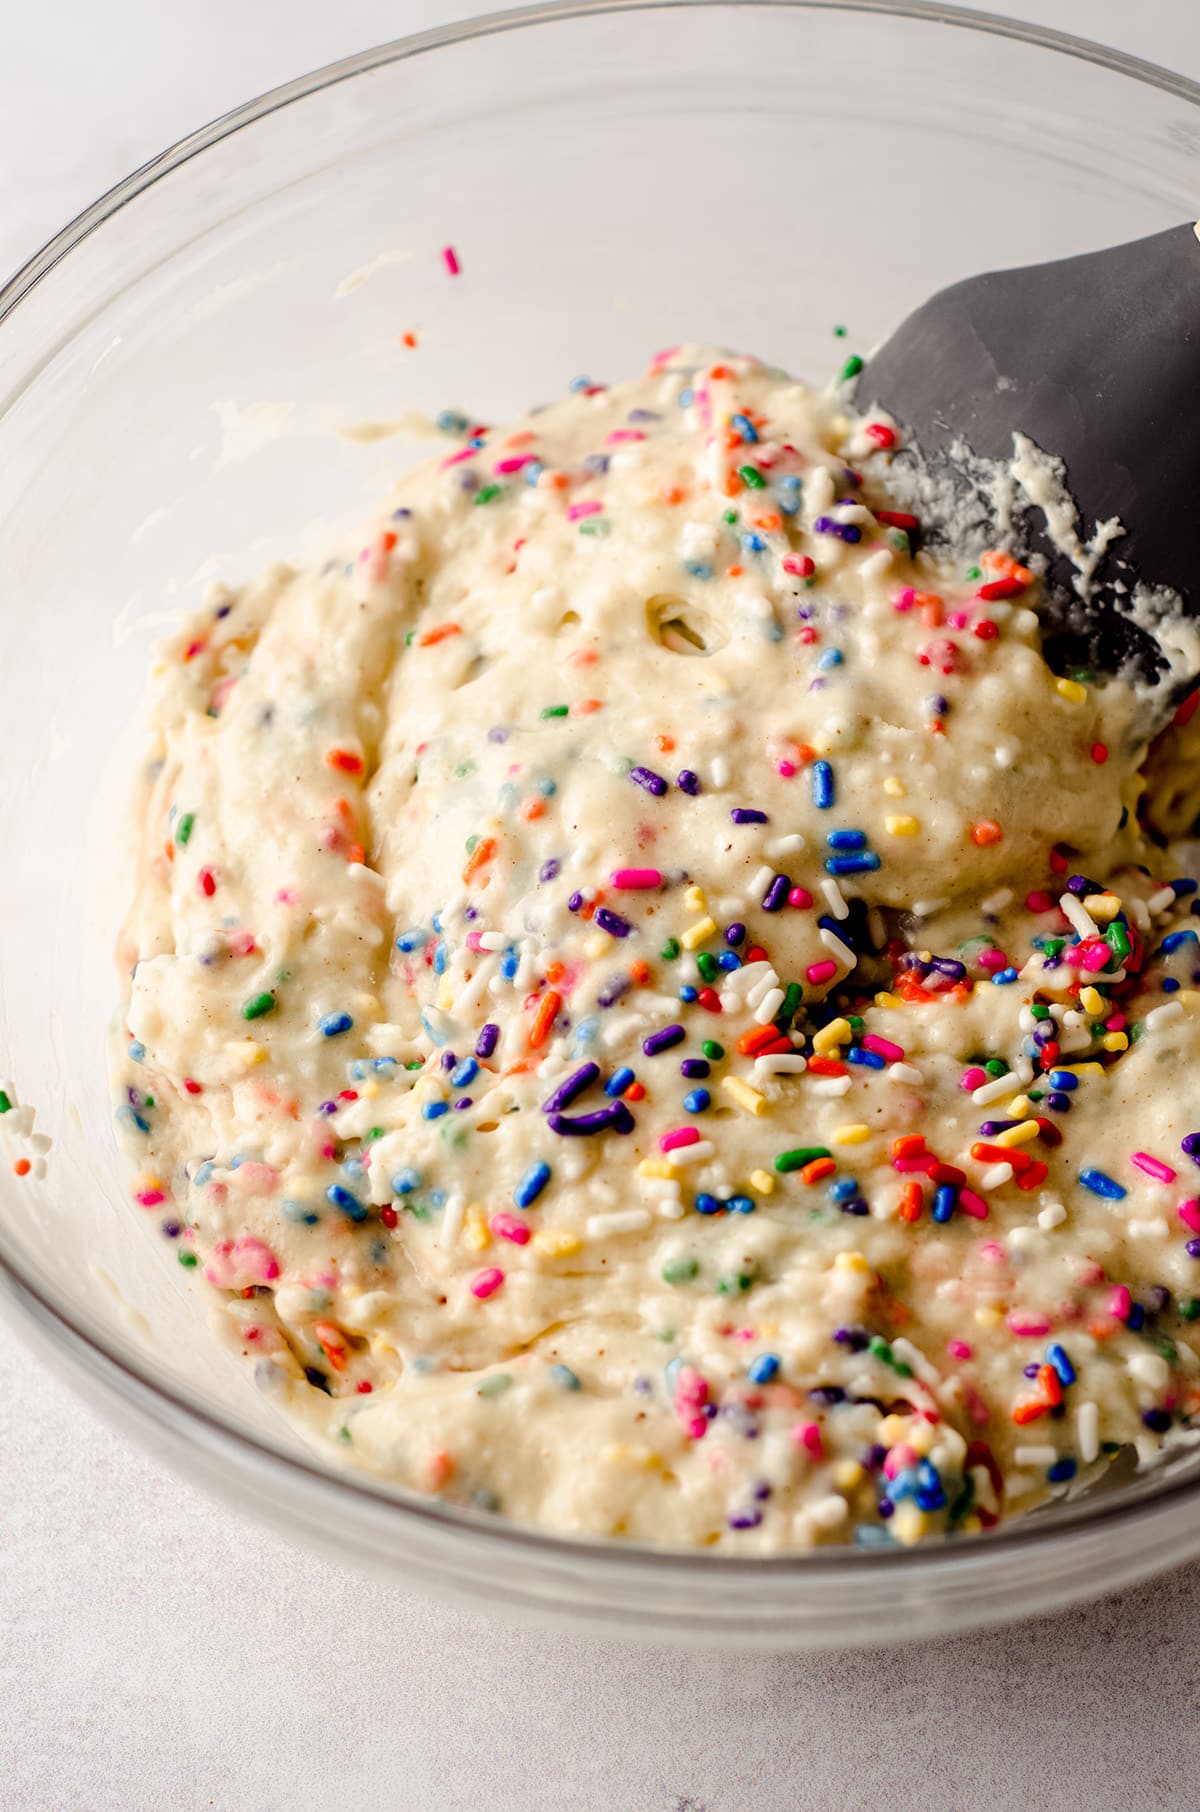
(730, 907)
(996, 902)
(492, 940)
(768, 1006)
(1081, 919)
(1023, 1069)
(828, 1512)
(1031, 1456)
(693, 1154)
(1150, 1369)
(780, 1065)
(1170, 1009)
(762, 880)
(671, 1209)
(995, 1176)
(765, 985)
(840, 952)
(1021, 1239)
(877, 563)
(452, 1220)
(1087, 1422)
(1152, 1229)
(718, 769)
(472, 992)
(1160, 901)
(39, 1143)
(912, 1355)
(791, 845)
(1186, 1357)
(830, 1085)
(904, 1072)
(1139, 914)
(835, 899)
(925, 909)
(625, 1220)
(1053, 1215)
(992, 1091)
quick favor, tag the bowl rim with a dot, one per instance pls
(158, 1400)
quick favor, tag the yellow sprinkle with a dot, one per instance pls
(854, 1134)
(446, 992)
(1116, 1041)
(971, 1524)
(744, 1095)
(988, 1318)
(1189, 997)
(853, 1262)
(909, 1524)
(631, 1453)
(893, 1429)
(369, 1090)
(922, 1436)
(143, 1183)
(848, 1474)
(1020, 1134)
(1091, 1000)
(697, 934)
(475, 1228)
(1091, 1068)
(837, 1032)
(894, 787)
(887, 1000)
(1102, 906)
(596, 946)
(246, 1051)
(901, 825)
(1020, 1107)
(695, 899)
(1070, 689)
(658, 1167)
(551, 1242)
(763, 1181)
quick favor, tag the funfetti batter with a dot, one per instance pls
(644, 1001)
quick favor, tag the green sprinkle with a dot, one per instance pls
(680, 1270)
(670, 950)
(1054, 946)
(376, 1132)
(1037, 1009)
(974, 572)
(410, 638)
(183, 829)
(495, 1386)
(797, 1159)
(707, 965)
(1167, 1350)
(752, 478)
(258, 1005)
(1118, 939)
(418, 1063)
(996, 1067)
(736, 1284)
(730, 516)
(554, 711)
(666, 1335)
(854, 1022)
(839, 333)
(149, 1101)
(793, 994)
(879, 1347)
(1189, 1308)
(599, 526)
(188, 1260)
(712, 1050)
(488, 493)
(1036, 1094)
(344, 1432)
(5, 1103)
(850, 369)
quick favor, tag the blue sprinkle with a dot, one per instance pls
(533, 471)
(436, 922)
(867, 1060)
(203, 1173)
(1170, 985)
(619, 1081)
(943, 1202)
(349, 1204)
(434, 1031)
(686, 398)
(531, 1185)
(846, 839)
(564, 1377)
(509, 964)
(1061, 1471)
(433, 1110)
(130, 1117)
(299, 1212)
(1056, 1356)
(1003, 977)
(741, 1204)
(137, 1051)
(465, 1072)
(753, 544)
(843, 1189)
(707, 1204)
(697, 1101)
(865, 863)
(1136, 1318)
(547, 788)
(763, 1369)
(832, 657)
(1176, 940)
(406, 1180)
(354, 1167)
(1099, 1184)
(1066, 1080)
(822, 785)
(745, 427)
(856, 1205)
(687, 993)
(1182, 887)
(699, 569)
(439, 958)
(334, 1024)
(729, 959)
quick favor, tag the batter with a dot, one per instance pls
(649, 1000)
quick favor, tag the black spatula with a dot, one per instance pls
(1096, 360)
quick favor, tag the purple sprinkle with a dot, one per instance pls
(574, 1085)
(745, 1519)
(937, 704)
(735, 934)
(549, 870)
(1193, 1248)
(488, 1039)
(1032, 1370)
(687, 782)
(498, 733)
(989, 1128)
(649, 780)
(845, 531)
(1190, 1143)
(575, 902)
(449, 1060)
(662, 1040)
(692, 1068)
(947, 966)
(775, 898)
(612, 922)
(596, 462)
(761, 1490)
(746, 814)
(463, 1101)
(1080, 884)
(616, 1117)
(612, 991)
(328, 1107)
(222, 610)
(643, 415)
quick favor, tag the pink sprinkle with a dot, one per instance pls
(473, 942)
(1117, 1023)
(256, 1258)
(882, 1047)
(635, 880)
(1153, 1167)
(486, 1283)
(1089, 1275)
(150, 1198)
(1119, 1302)
(694, 1427)
(972, 1079)
(1095, 956)
(801, 899)
(254, 1179)
(958, 619)
(286, 896)
(1037, 901)
(625, 434)
(972, 1204)
(450, 260)
(995, 1254)
(691, 1388)
(680, 1135)
(745, 1333)
(899, 1459)
(821, 972)
(514, 463)
(592, 507)
(454, 459)
(510, 1227)
(958, 1349)
(1189, 1213)
(1027, 1326)
(786, 770)
(915, 1162)
(905, 599)
(808, 1436)
(799, 565)
(991, 960)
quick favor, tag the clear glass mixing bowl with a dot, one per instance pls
(173, 369)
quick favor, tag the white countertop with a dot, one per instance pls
(158, 1654)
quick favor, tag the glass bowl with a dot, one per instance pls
(174, 368)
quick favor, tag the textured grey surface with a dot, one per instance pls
(158, 1654)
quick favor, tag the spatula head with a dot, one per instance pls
(1096, 360)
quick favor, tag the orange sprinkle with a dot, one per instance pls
(332, 1344)
(640, 972)
(819, 1168)
(636, 1092)
(342, 808)
(674, 494)
(912, 1201)
(533, 807)
(522, 1066)
(22, 1167)
(665, 743)
(356, 853)
(985, 832)
(770, 521)
(1050, 1385)
(555, 972)
(909, 1145)
(735, 571)
(557, 481)
(439, 1468)
(584, 707)
(544, 1017)
(439, 633)
(732, 485)
(719, 371)
(826, 1066)
(1027, 1412)
(408, 339)
(344, 760)
(586, 657)
(482, 853)
(387, 540)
